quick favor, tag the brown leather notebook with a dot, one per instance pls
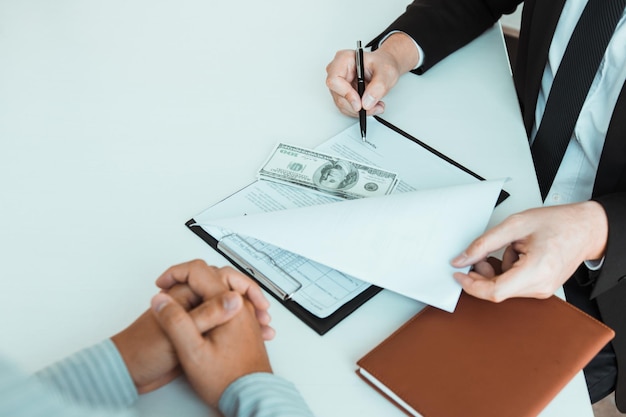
(485, 359)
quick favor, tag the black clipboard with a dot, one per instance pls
(323, 325)
(320, 325)
(503, 194)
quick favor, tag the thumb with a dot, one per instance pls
(216, 311)
(373, 94)
(177, 324)
(185, 329)
(377, 87)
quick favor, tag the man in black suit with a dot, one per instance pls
(578, 239)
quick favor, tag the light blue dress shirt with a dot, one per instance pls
(95, 383)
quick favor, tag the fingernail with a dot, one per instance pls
(460, 278)
(159, 301)
(356, 105)
(231, 302)
(460, 260)
(368, 101)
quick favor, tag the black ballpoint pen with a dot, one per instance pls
(360, 80)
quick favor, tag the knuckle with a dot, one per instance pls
(341, 54)
(329, 80)
(224, 272)
(497, 294)
(200, 268)
(181, 295)
(208, 310)
(198, 263)
(227, 270)
(480, 243)
(515, 220)
(171, 316)
(542, 295)
(336, 85)
(496, 297)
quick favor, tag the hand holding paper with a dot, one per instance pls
(401, 242)
(534, 263)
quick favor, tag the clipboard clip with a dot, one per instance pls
(259, 264)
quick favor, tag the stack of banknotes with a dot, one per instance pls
(329, 174)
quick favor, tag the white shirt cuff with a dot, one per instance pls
(594, 265)
(420, 51)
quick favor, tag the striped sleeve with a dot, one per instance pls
(23, 396)
(263, 395)
(96, 376)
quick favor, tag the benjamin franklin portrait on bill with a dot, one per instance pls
(336, 175)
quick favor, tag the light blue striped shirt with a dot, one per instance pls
(95, 382)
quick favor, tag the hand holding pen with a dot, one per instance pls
(381, 70)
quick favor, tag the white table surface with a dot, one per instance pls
(120, 120)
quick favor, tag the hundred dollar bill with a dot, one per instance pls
(307, 168)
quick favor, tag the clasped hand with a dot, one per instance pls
(207, 322)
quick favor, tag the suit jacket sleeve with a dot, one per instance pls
(614, 267)
(608, 285)
(441, 27)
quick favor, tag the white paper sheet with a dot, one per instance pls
(401, 242)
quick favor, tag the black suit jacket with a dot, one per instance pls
(443, 26)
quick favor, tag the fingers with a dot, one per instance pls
(491, 241)
(485, 269)
(207, 281)
(397, 55)
(376, 89)
(477, 285)
(177, 324)
(493, 289)
(245, 286)
(216, 311)
(248, 288)
(184, 296)
(497, 288)
(202, 314)
(509, 257)
(267, 332)
(340, 80)
(544, 246)
(185, 330)
(524, 279)
(230, 347)
(341, 74)
(197, 274)
(496, 265)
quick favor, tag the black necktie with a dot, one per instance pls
(571, 84)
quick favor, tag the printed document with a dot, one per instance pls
(321, 251)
